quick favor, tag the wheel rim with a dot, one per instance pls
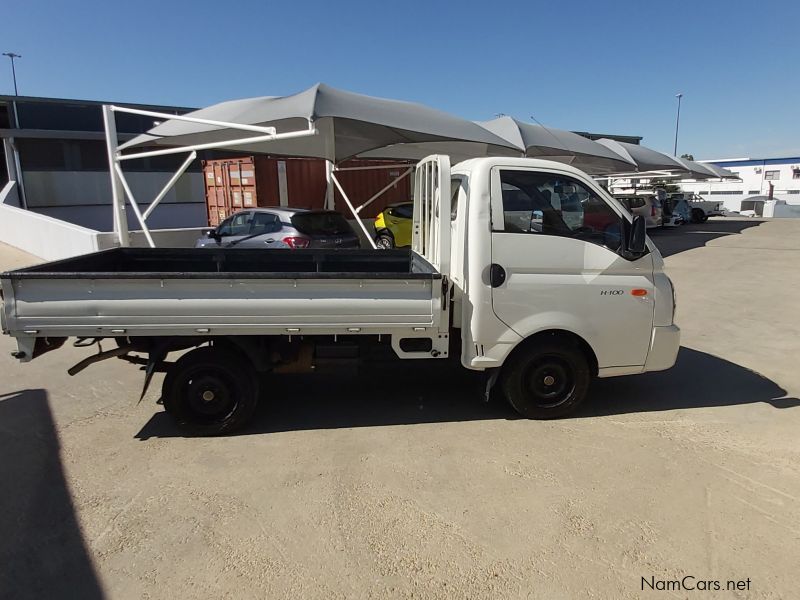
(549, 381)
(210, 394)
(384, 243)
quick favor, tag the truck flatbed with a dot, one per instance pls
(181, 291)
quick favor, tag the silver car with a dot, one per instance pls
(281, 227)
(648, 206)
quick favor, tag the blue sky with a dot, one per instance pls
(612, 67)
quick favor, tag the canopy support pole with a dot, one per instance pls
(380, 193)
(353, 211)
(329, 195)
(134, 205)
(173, 180)
(117, 194)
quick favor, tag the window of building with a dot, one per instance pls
(42, 155)
(795, 173)
(727, 192)
(751, 192)
(549, 204)
(793, 192)
(772, 175)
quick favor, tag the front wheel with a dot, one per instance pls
(209, 392)
(699, 215)
(546, 380)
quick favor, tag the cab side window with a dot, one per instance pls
(551, 204)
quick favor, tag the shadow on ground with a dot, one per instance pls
(42, 552)
(427, 394)
(687, 237)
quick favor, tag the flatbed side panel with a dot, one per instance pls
(179, 306)
(226, 263)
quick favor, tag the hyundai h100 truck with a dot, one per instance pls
(544, 279)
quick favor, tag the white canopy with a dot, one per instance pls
(559, 145)
(348, 125)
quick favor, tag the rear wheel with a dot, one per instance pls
(384, 241)
(210, 392)
(546, 380)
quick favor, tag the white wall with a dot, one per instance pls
(71, 188)
(43, 236)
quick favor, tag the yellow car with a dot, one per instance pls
(393, 226)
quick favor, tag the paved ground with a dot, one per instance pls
(356, 489)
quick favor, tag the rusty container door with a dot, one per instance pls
(242, 182)
(217, 192)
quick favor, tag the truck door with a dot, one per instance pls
(555, 264)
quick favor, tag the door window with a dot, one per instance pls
(551, 204)
(238, 224)
(264, 223)
(403, 211)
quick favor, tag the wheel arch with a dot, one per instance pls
(555, 334)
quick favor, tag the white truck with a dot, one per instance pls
(543, 277)
(699, 208)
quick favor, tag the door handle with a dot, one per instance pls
(497, 275)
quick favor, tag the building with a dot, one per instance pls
(775, 177)
(56, 152)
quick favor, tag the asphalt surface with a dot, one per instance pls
(406, 484)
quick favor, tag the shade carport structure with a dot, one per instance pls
(720, 172)
(320, 122)
(559, 145)
(643, 158)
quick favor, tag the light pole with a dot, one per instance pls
(677, 123)
(12, 56)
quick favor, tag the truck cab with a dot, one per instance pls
(539, 252)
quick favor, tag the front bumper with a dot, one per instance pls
(664, 345)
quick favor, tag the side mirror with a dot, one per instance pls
(635, 239)
(212, 234)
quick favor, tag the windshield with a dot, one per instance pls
(321, 223)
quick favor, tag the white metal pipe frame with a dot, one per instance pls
(121, 192)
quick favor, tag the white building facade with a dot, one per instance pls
(757, 176)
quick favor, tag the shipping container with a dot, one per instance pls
(234, 184)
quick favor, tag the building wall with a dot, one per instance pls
(755, 179)
(84, 198)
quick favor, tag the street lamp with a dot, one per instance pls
(12, 56)
(677, 122)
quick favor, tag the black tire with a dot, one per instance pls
(699, 215)
(210, 392)
(547, 379)
(384, 241)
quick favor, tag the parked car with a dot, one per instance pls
(393, 226)
(648, 206)
(699, 208)
(281, 227)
